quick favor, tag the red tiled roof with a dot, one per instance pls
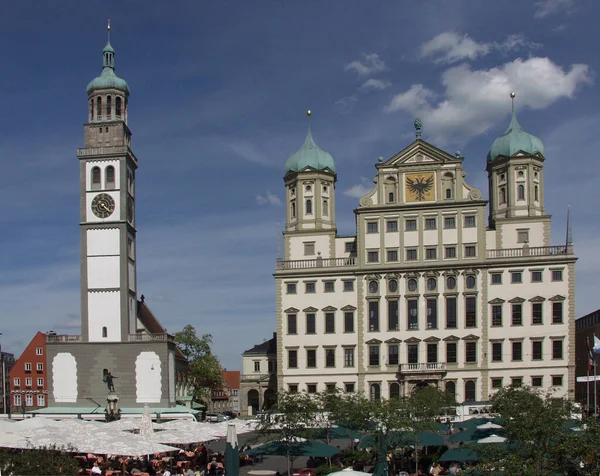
(232, 378)
(153, 326)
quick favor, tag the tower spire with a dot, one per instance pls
(108, 53)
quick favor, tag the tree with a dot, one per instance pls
(204, 370)
(47, 460)
(540, 436)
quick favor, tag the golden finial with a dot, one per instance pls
(513, 95)
(309, 113)
(108, 27)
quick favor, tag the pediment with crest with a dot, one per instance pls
(420, 153)
(291, 310)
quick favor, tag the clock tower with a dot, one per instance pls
(107, 211)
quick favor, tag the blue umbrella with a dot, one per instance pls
(232, 454)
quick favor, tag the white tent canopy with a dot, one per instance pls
(492, 439)
(489, 426)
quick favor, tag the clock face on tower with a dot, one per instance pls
(103, 205)
(420, 187)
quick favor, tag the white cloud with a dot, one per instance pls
(360, 189)
(544, 8)
(370, 65)
(451, 47)
(373, 84)
(474, 99)
(268, 198)
(346, 104)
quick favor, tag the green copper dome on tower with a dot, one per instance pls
(108, 78)
(514, 140)
(310, 155)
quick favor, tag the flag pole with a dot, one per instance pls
(588, 377)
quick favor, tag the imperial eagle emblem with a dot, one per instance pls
(420, 186)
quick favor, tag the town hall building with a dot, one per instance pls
(438, 286)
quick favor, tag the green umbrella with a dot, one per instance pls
(232, 454)
(294, 448)
(337, 433)
(472, 434)
(459, 454)
(475, 422)
(404, 438)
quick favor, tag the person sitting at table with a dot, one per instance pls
(214, 467)
(96, 469)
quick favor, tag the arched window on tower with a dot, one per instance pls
(96, 181)
(293, 213)
(108, 107)
(98, 107)
(521, 192)
(104, 332)
(309, 207)
(375, 392)
(502, 198)
(448, 193)
(110, 177)
(118, 106)
(325, 208)
(91, 110)
(536, 193)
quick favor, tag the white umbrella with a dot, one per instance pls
(349, 472)
(489, 426)
(492, 439)
(146, 428)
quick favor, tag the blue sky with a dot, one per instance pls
(219, 92)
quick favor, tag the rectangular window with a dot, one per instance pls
(293, 388)
(451, 352)
(374, 355)
(309, 248)
(537, 316)
(517, 350)
(257, 366)
(41, 400)
(373, 316)
(470, 221)
(449, 222)
(430, 253)
(431, 313)
(17, 400)
(496, 278)
(28, 382)
(291, 288)
(311, 358)
(496, 351)
(470, 251)
(432, 353)
(40, 382)
(522, 236)
(348, 357)
(28, 400)
(310, 288)
(536, 276)
(329, 286)
(430, 223)
(393, 354)
(557, 275)
(292, 359)
(450, 252)
(349, 387)
(329, 322)
(517, 314)
(516, 277)
(39, 351)
(557, 380)
(311, 388)
(410, 225)
(311, 325)
(451, 313)
(329, 358)
(411, 254)
(391, 226)
(412, 353)
(536, 381)
(471, 352)
(393, 324)
(348, 322)
(557, 313)
(348, 286)
(349, 247)
(497, 315)
(392, 255)
(496, 383)
(373, 256)
(27, 366)
(292, 324)
(536, 350)
(17, 382)
(372, 227)
(557, 349)
(412, 314)
(330, 387)
(516, 381)
(470, 311)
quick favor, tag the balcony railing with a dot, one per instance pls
(63, 338)
(150, 337)
(423, 367)
(113, 149)
(528, 251)
(317, 263)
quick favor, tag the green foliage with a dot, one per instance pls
(325, 469)
(47, 460)
(204, 370)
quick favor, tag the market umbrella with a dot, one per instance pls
(349, 472)
(475, 422)
(470, 435)
(459, 454)
(381, 468)
(146, 428)
(337, 433)
(489, 426)
(232, 453)
(405, 438)
(492, 439)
